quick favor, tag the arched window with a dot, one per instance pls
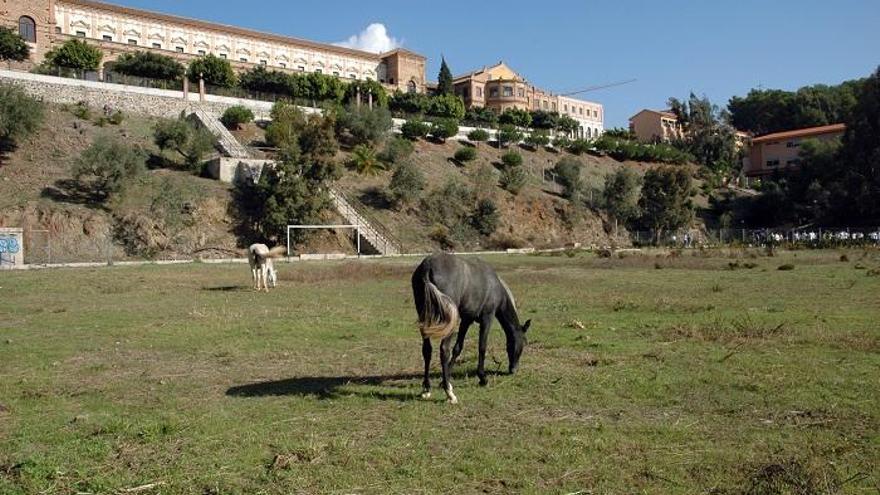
(411, 87)
(27, 29)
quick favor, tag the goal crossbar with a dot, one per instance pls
(355, 227)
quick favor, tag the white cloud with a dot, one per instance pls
(374, 38)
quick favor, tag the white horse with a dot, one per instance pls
(262, 269)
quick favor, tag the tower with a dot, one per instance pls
(34, 20)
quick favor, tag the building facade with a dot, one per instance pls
(499, 87)
(117, 30)
(652, 126)
(780, 151)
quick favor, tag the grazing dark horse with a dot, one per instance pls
(450, 291)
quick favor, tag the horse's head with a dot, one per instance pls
(516, 345)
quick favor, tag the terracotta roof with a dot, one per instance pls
(809, 131)
(665, 113)
(226, 29)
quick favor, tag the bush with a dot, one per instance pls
(407, 184)
(408, 103)
(363, 125)
(561, 142)
(579, 147)
(396, 150)
(365, 161)
(450, 205)
(513, 179)
(215, 71)
(508, 134)
(287, 122)
(414, 129)
(74, 54)
(107, 166)
(81, 111)
(481, 116)
(446, 106)
(511, 159)
(537, 139)
(485, 217)
(465, 154)
(516, 117)
(20, 115)
(117, 117)
(568, 174)
(485, 179)
(149, 64)
(237, 115)
(186, 138)
(478, 135)
(364, 88)
(444, 129)
(12, 46)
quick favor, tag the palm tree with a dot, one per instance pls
(365, 161)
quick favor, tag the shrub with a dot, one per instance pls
(450, 205)
(414, 129)
(107, 166)
(408, 103)
(485, 217)
(12, 46)
(465, 154)
(568, 174)
(81, 111)
(446, 106)
(364, 88)
(620, 195)
(20, 115)
(513, 179)
(481, 116)
(537, 139)
(407, 184)
(579, 146)
(186, 138)
(365, 161)
(440, 235)
(485, 179)
(396, 150)
(236, 115)
(287, 122)
(149, 64)
(74, 54)
(511, 159)
(364, 125)
(215, 71)
(117, 117)
(516, 117)
(478, 135)
(561, 142)
(444, 129)
(508, 134)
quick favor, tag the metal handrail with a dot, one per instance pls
(369, 222)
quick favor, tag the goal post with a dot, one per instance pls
(356, 228)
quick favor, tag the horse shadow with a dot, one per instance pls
(229, 288)
(330, 387)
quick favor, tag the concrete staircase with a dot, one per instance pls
(378, 237)
(227, 143)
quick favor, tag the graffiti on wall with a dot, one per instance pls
(9, 245)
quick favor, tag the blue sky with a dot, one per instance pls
(672, 47)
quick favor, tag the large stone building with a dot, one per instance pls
(498, 87)
(650, 126)
(116, 30)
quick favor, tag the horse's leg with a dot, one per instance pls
(446, 363)
(459, 341)
(426, 354)
(485, 326)
(255, 275)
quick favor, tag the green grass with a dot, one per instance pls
(691, 378)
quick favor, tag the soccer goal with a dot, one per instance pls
(356, 228)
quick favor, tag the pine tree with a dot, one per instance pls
(444, 80)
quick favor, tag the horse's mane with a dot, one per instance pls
(509, 293)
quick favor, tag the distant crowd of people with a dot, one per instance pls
(769, 237)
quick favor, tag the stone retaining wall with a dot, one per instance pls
(129, 99)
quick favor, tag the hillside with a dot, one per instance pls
(173, 213)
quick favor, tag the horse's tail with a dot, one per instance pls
(439, 316)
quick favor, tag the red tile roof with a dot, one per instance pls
(799, 133)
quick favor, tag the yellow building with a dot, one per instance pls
(117, 30)
(499, 87)
(781, 150)
(652, 126)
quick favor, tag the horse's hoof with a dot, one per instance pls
(426, 395)
(452, 400)
(483, 382)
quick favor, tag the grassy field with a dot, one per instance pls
(647, 374)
